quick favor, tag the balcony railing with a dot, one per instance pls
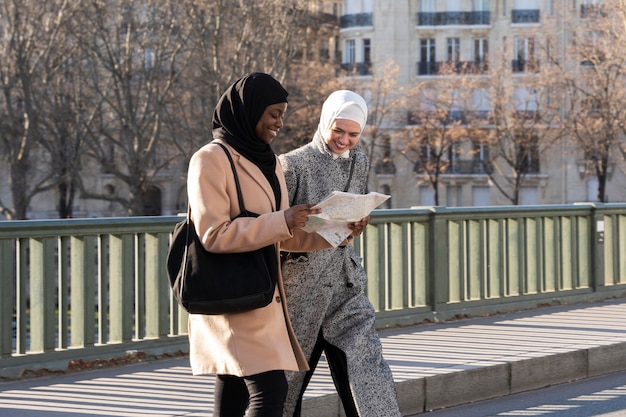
(355, 20)
(458, 67)
(525, 16)
(453, 18)
(592, 10)
(454, 116)
(427, 68)
(461, 167)
(522, 65)
(96, 288)
(358, 68)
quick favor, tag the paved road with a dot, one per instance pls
(435, 365)
(160, 388)
(603, 396)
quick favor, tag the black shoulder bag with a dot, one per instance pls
(219, 283)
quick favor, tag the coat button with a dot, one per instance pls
(349, 285)
(278, 299)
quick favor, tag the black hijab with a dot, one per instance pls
(236, 115)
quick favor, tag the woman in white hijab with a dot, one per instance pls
(325, 289)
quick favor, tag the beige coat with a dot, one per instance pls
(260, 340)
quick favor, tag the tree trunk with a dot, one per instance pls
(18, 173)
(66, 200)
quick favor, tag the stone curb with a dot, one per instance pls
(456, 388)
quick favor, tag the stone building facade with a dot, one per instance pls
(419, 36)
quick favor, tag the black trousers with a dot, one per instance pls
(338, 364)
(262, 394)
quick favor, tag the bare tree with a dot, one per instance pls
(134, 53)
(284, 39)
(126, 89)
(437, 125)
(523, 120)
(32, 33)
(594, 78)
(309, 84)
(62, 134)
(384, 97)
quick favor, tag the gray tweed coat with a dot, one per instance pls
(325, 289)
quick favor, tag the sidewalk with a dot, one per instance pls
(434, 365)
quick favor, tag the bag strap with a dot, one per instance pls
(188, 219)
(242, 208)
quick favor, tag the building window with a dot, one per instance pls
(589, 8)
(590, 44)
(528, 154)
(524, 55)
(357, 64)
(481, 162)
(454, 50)
(350, 52)
(480, 5)
(427, 64)
(424, 157)
(480, 12)
(427, 15)
(367, 51)
(428, 6)
(454, 153)
(350, 7)
(481, 103)
(481, 50)
(356, 13)
(526, 102)
(385, 164)
(525, 11)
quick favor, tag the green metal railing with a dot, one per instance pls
(94, 288)
(440, 263)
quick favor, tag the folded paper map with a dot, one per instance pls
(338, 210)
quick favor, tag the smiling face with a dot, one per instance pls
(342, 135)
(270, 122)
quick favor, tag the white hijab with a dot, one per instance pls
(342, 104)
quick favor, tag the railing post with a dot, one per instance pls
(83, 294)
(7, 269)
(63, 303)
(156, 290)
(597, 249)
(439, 267)
(21, 294)
(121, 283)
(376, 268)
(42, 295)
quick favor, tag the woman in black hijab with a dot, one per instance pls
(235, 122)
(249, 351)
